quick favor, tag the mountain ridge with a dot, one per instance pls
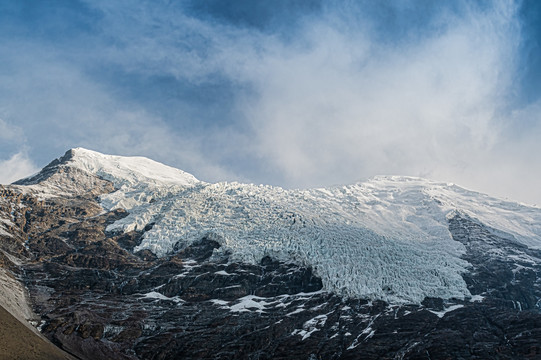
(336, 231)
(128, 168)
(392, 267)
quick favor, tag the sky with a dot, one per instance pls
(294, 93)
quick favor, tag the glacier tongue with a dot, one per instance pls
(361, 243)
(363, 240)
(386, 238)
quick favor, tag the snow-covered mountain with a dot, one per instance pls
(124, 257)
(387, 238)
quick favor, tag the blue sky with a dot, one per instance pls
(291, 93)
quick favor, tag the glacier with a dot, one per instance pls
(386, 238)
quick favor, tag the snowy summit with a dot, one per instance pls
(129, 170)
(387, 238)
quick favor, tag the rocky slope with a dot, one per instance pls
(18, 341)
(127, 258)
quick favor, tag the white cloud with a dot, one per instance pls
(15, 168)
(332, 103)
(63, 107)
(344, 106)
(9, 132)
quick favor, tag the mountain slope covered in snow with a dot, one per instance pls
(386, 238)
(125, 258)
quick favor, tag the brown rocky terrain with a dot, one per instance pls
(18, 342)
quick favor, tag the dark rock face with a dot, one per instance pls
(503, 270)
(99, 300)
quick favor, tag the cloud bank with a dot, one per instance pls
(15, 168)
(299, 94)
(347, 106)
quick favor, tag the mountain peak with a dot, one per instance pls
(118, 169)
(127, 169)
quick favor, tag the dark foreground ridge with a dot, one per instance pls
(97, 299)
(17, 341)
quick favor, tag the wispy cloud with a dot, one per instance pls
(10, 133)
(338, 92)
(57, 105)
(345, 106)
(15, 168)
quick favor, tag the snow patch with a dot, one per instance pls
(442, 313)
(219, 302)
(311, 326)
(296, 311)
(250, 303)
(158, 296)
(223, 273)
(477, 298)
